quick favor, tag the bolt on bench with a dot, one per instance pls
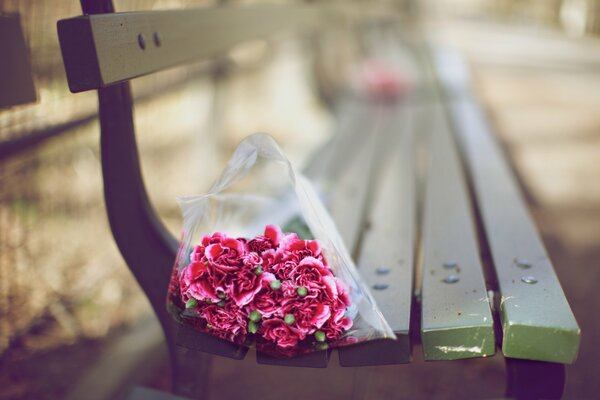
(444, 240)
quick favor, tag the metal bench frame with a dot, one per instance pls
(149, 249)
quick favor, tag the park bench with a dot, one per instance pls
(418, 186)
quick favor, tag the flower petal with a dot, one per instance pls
(322, 314)
(331, 287)
(213, 251)
(234, 244)
(274, 233)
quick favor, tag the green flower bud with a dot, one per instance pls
(209, 326)
(302, 291)
(208, 300)
(221, 295)
(275, 284)
(320, 336)
(252, 327)
(255, 316)
(191, 303)
(221, 303)
(289, 319)
(258, 270)
(322, 346)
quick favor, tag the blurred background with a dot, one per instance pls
(68, 301)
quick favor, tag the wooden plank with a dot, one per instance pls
(352, 121)
(347, 200)
(103, 49)
(318, 359)
(387, 246)
(189, 338)
(456, 320)
(537, 322)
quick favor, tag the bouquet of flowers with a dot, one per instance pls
(275, 286)
(289, 295)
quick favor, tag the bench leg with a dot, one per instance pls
(527, 379)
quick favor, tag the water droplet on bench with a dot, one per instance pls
(380, 286)
(382, 270)
(451, 279)
(529, 279)
(450, 264)
(523, 263)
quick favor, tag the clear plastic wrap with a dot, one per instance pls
(237, 221)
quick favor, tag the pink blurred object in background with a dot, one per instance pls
(378, 79)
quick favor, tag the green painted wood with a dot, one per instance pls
(537, 321)
(352, 120)
(103, 49)
(386, 248)
(456, 320)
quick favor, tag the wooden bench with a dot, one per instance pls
(419, 188)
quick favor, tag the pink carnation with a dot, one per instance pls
(195, 281)
(227, 254)
(310, 272)
(229, 318)
(277, 331)
(244, 286)
(267, 304)
(296, 249)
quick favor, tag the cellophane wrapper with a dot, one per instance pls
(260, 188)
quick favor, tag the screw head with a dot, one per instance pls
(451, 279)
(531, 280)
(157, 39)
(141, 41)
(382, 270)
(380, 286)
(450, 264)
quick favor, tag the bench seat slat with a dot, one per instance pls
(318, 359)
(328, 162)
(348, 191)
(456, 320)
(537, 322)
(190, 338)
(387, 245)
(103, 49)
